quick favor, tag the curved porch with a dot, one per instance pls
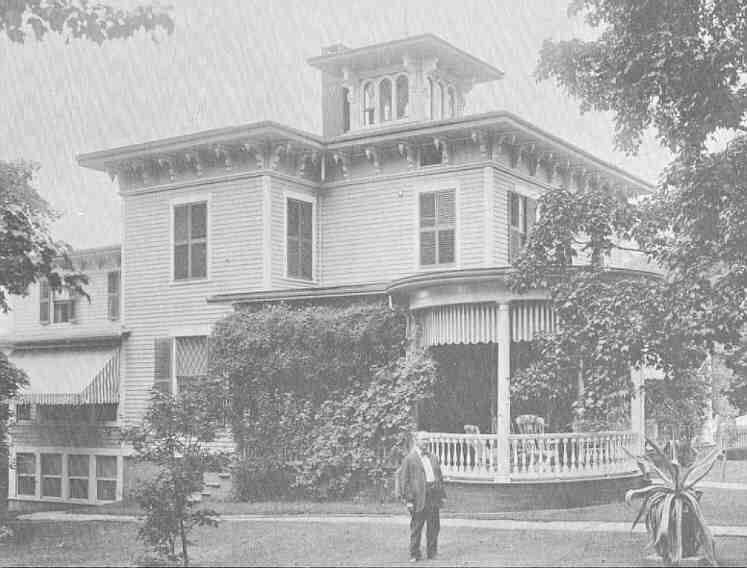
(484, 326)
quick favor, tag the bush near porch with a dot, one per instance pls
(322, 397)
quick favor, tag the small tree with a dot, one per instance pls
(174, 438)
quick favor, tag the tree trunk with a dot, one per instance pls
(183, 533)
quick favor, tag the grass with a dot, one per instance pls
(293, 544)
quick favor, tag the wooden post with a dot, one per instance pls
(503, 410)
(637, 410)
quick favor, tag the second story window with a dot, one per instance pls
(345, 109)
(385, 100)
(521, 216)
(55, 307)
(403, 96)
(369, 104)
(112, 295)
(300, 239)
(190, 241)
(437, 227)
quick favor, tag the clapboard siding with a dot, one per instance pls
(369, 233)
(503, 185)
(157, 307)
(279, 188)
(91, 318)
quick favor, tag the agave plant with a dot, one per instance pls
(671, 507)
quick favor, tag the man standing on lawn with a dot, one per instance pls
(421, 488)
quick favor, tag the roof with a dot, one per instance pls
(270, 130)
(450, 58)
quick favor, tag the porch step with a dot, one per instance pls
(205, 494)
(224, 475)
(212, 485)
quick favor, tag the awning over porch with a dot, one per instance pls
(477, 322)
(70, 376)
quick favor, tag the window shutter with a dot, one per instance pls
(446, 208)
(44, 301)
(531, 214)
(162, 365)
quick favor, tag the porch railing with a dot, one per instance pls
(536, 456)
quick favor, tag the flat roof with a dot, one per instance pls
(450, 57)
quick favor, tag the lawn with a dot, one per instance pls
(352, 543)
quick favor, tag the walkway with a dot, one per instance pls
(501, 525)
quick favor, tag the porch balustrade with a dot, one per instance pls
(535, 456)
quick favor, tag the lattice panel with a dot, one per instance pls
(191, 356)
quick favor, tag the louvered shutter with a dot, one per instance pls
(446, 221)
(44, 301)
(307, 240)
(292, 238)
(162, 380)
(531, 214)
(427, 228)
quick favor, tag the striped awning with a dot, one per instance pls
(69, 376)
(478, 322)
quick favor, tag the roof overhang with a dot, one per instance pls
(370, 290)
(83, 341)
(258, 133)
(498, 124)
(450, 58)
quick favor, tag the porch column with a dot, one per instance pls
(637, 409)
(503, 412)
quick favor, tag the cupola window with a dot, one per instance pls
(369, 104)
(403, 95)
(385, 100)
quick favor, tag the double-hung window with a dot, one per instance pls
(55, 307)
(522, 211)
(78, 473)
(26, 474)
(51, 475)
(190, 241)
(437, 227)
(191, 357)
(300, 238)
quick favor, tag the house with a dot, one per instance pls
(402, 196)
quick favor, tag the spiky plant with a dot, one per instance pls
(671, 507)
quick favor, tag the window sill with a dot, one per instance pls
(297, 280)
(189, 282)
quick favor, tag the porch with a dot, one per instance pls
(479, 332)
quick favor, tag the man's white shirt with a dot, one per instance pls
(429, 475)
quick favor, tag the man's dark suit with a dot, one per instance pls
(426, 499)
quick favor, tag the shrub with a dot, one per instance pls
(671, 506)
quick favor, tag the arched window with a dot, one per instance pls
(452, 103)
(369, 104)
(385, 100)
(403, 96)
(438, 103)
(345, 109)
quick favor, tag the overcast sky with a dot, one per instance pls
(229, 63)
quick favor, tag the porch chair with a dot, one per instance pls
(531, 424)
(474, 449)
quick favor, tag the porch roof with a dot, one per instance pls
(69, 376)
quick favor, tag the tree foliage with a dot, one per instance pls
(174, 438)
(676, 66)
(94, 21)
(328, 386)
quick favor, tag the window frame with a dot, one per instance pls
(190, 199)
(52, 300)
(174, 361)
(368, 106)
(43, 476)
(33, 476)
(288, 195)
(65, 453)
(451, 184)
(96, 477)
(70, 477)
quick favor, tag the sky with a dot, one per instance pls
(235, 62)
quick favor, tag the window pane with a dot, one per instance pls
(427, 247)
(446, 208)
(385, 100)
(181, 262)
(26, 485)
(513, 206)
(199, 260)
(106, 490)
(307, 256)
(427, 209)
(191, 356)
(199, 220)
(294, 268)
(112, 283)
(293, 217)
(106, 466)
(445, 246)
(307, 226)
(44, 309)
(79, 488)
(180, 223)
(51, 487)
(403, 96)
(26, 464)
(51, 464)
(77, 466)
